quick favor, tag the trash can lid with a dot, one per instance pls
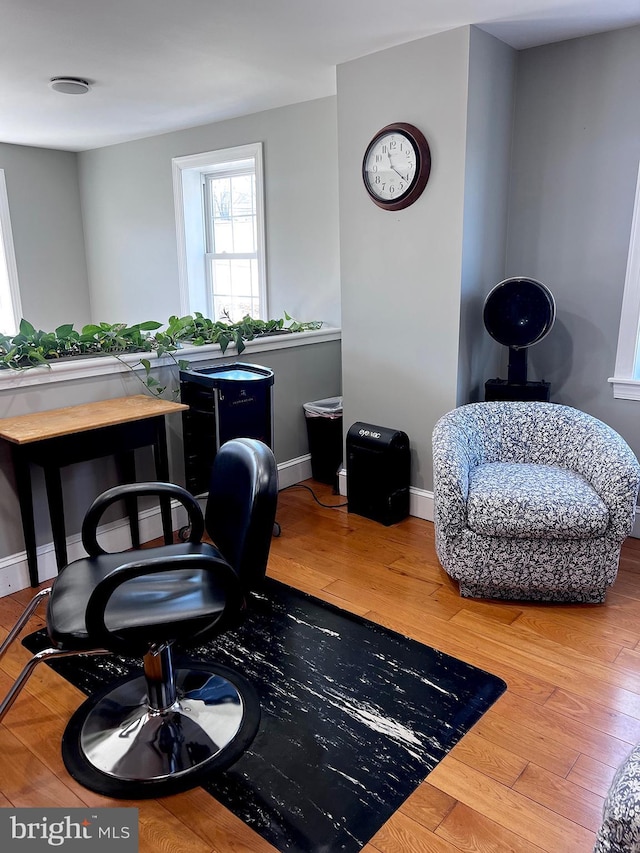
(331, 407)
(236, 372)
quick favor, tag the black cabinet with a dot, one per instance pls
(226, 401)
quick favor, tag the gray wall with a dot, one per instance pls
(128, 209)
(44, 205)
(401, 270)
(413, 280)
(575, 163)
(492, 67)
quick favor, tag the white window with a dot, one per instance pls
(626, 381)
(10, 307)
(220, 228)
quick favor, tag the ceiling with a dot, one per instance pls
(160, 65)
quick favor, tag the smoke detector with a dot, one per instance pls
(69, 85)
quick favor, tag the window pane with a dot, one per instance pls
(244, 234)
(223, 236)
(233, 211)
(235, 288)
(243, 195)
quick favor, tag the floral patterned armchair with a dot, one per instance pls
(619, 831)
(531, 501)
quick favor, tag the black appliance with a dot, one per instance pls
(378, 472)
(518, 313)
(226, 401)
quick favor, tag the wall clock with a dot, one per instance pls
(396, 166)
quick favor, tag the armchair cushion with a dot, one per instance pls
(527, 501)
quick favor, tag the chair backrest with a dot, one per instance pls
(241, 506)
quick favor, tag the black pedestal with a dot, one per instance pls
(502, 389)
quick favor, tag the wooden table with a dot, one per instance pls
(62, 437)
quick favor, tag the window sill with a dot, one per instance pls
(625, 389)
(81, 368)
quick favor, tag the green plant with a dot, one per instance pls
(30, 347)
(200, 330)
(33, 348)
(113, 338)
(153, 385)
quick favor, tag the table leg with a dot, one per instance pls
(53, 484)
(162, 473)
(126, 465)
(22, 471)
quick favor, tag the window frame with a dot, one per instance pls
(626, 378)
(191, 228)
(212, 255)
(8, 255)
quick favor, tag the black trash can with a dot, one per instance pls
(324, 430)
(225, 401)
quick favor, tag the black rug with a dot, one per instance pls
(354, 716)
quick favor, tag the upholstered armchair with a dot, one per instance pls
(619, 831)
(531, 501)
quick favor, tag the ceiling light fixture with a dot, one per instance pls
(69, 85)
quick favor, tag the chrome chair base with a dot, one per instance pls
(117, 745)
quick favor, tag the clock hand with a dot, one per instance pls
(398, 173)
(393, 168)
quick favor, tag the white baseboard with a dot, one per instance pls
(294, 471)
(14, 572)
(421, 503)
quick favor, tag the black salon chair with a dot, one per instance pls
(161, 732)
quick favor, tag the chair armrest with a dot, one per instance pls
(105, 589)
(162, 490)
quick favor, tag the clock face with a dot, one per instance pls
(390, 166)
(396, 166)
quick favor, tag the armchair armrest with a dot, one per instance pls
(454, 456)
(610, 466)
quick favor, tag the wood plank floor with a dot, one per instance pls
(530, 776)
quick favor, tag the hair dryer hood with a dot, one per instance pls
(519, 312)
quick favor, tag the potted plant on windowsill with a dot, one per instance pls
(32, 347)
(198, 330)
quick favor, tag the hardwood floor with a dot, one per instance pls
(530, 776)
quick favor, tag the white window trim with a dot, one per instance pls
(6, 235)
(190, 231)
(626, 385)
